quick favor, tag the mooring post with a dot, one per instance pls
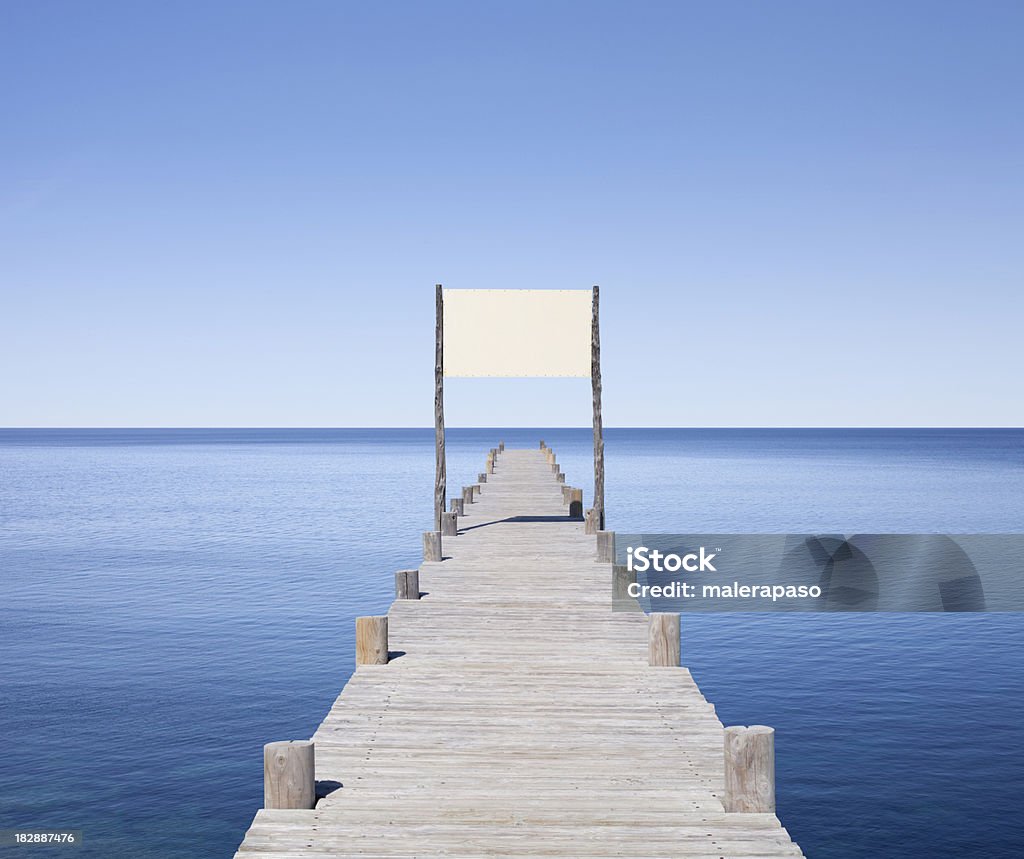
(606, 547)
(501, 446)
(542, 445)
(576, 503)
(560, 477)
(289, 774)
(663, 639)
(750, 769)
(467, 495)
(592, 525)
(565, 493)
(372, 640)
(407, 585)
(476, 491)
(622, 578)
(490, 465)
(449, 524)
(481, 477)
(431, 545)
(458, 506)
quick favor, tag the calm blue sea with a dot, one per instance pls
(172, 599)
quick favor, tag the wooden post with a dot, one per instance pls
(565, 493)
(449, 524)
(592, 525)
(542, 445)
(663, 639)
(431, 545)
(501, 446)
(481, 477)
(372, 640)
(554, 468)
(440, 468)
(560, 477)
(595, 380)
(490, 465)
(407, 585)
(606, 547)
(622, 578)
(458, 506)
(750, 769)
(467, 495)
(576, 503)
(289, 774)
(475, 489)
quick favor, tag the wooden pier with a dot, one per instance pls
(517, 715)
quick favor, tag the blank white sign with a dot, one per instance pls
(517, 332)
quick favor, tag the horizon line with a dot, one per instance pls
(524, 428)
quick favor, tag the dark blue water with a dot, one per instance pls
(171, 600)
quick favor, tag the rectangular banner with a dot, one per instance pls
(517, 332)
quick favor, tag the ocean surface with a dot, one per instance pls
(172, 599)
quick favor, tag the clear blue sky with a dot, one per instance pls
(233, 213)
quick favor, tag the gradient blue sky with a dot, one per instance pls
(233, 213)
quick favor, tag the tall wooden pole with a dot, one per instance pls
(440, 471)
(595, 379)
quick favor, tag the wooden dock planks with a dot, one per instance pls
(518, 715)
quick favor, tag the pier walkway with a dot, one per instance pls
(518, 715)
